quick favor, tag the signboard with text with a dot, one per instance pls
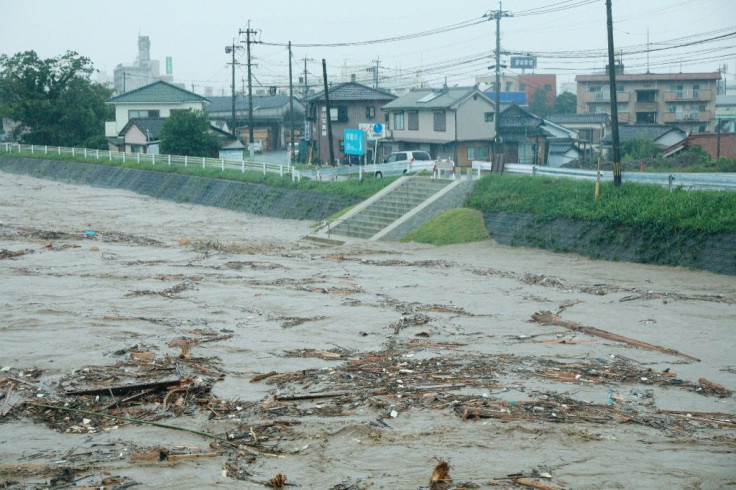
(523, 62)
(373, 131)
(354, 142)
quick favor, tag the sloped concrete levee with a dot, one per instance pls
(239, 196)
(400, 208)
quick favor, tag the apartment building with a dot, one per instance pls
(686, 100)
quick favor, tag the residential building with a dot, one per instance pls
(663, 136)
(272, 121)
(726, 113)
(153, 101)
(141, 135)
(687, 100)
(351, 104)
(525, 83)
(456, 123)
(527, 138)
(591, 128)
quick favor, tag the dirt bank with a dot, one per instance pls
(355, 366)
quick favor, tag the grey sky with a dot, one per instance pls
(195, 33)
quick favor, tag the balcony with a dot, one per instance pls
(604, 96)
(646, 107)
(688, 95)
(688, 117)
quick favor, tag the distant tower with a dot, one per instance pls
(144, 51)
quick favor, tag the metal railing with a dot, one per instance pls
(703, 181)
(146, 158)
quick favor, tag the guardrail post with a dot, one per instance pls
(153, 159)
(242, 166)
(58, 149)
(264, 168)
(203, 162)
(109, 154)
(138, 158)
(85, 153)
(222, 164)
(72, 151)
(97, 154)
(123, 157)
(185, 160)
(169, 159)
(670, 179)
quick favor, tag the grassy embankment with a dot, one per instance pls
(653, 209)
(353, 187)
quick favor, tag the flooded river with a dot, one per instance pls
(359, 365)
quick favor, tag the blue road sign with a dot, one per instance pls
(354, 142)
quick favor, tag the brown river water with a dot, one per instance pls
(424, 353)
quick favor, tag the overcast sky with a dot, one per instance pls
(439, 39)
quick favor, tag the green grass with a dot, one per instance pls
(635, 205)
(455, 226)
(353, 187)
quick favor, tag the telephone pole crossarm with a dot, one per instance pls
(497, 15)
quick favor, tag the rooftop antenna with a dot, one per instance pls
(647, 50)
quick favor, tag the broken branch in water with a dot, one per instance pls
(549, 318)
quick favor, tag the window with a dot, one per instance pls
(646, 96)
(440, 121)
(413, 121)
(399, 120)
(339, 114)
(508, 86)
(477, 152)
(142, 114)
(488, 116)
(370, 111)
(696, 91)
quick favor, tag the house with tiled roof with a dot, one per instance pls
(141, 135)
(526, 138)
(450, 122)
(662, 135)
(351, 104)
(152, 101)
(272, 118)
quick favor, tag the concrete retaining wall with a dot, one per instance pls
(240, 196)
(711, 252)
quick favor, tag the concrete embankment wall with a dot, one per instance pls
(714, 252)
(239, 196)
(711, 252)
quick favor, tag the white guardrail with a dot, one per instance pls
(704, 181)
(153, 159)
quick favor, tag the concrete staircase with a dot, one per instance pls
(388, 207)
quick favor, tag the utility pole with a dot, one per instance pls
(329, 115)
(614, 102)
(377, 61)
(231, 49)
(291, 106)
(497, 140)
(248, 32)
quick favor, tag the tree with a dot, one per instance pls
(538, 104)
(53, 100)
(638, 148)
(566, 103)
(187, 133)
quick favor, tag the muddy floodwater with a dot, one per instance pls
(161, 345)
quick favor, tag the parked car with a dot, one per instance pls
(256, 146)
(401, 162)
